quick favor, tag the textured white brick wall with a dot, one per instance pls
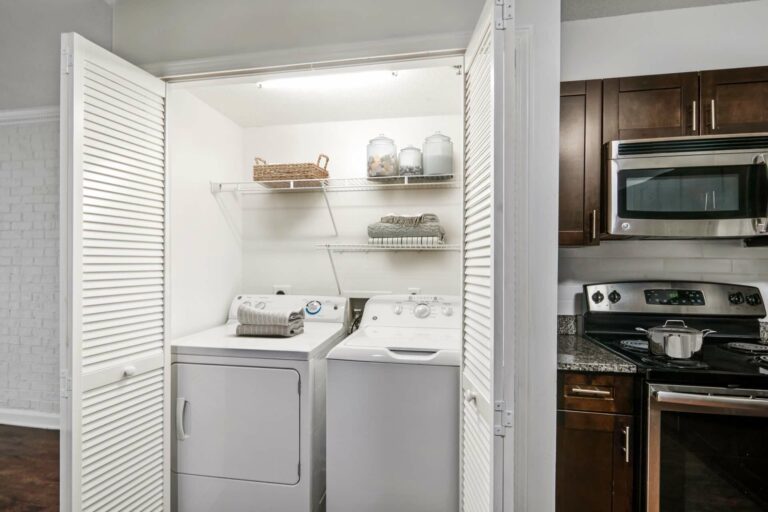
(29, 197)
(697, 260)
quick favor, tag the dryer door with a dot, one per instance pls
(237, 422)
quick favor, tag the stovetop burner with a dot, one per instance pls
(747, 348)
(635, 345)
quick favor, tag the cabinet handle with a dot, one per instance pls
(712, 115)
(693, 115)
(593, 232)
(590, 392)
(625, 431)
(181, 405)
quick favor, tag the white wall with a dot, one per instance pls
(281, 230)
(206, 257)
(715, 37)
(29, 197)
(700, 38)
(29, 45)
(276, 33)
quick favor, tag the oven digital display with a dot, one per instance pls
(675, 297)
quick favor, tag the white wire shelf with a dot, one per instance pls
(381, 248)
(338, 184)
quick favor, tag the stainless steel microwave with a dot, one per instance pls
(688, 187)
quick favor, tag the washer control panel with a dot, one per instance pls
(316, 308)
(412, 310)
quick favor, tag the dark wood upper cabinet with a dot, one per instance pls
(580, 149)
(739, 98)
(646, 107)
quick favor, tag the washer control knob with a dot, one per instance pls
(313, 307)
(421, 310)
(398, 308)
(447, 309)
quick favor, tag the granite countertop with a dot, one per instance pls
(575, 353)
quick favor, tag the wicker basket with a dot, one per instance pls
(280, 175)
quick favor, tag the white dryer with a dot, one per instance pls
(393, 408)
(249, 413)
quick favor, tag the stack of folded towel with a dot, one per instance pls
(407, 230)
(255, 321)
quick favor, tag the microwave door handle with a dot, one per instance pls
(759, 159)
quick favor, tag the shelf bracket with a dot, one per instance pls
(330, 213)
(333, 268)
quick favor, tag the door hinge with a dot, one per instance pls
(506, 420)
(505, 11)
(66, 61)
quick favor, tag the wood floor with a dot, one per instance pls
(29, 469)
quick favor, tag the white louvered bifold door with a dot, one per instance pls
(483, 260)
(113, 252)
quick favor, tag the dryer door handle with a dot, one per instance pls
(181, 406)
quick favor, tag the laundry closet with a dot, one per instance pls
(163, 226)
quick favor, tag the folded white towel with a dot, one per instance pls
(407, 241)
(251, 314)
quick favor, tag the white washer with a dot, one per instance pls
(393, 408)
(249, 413)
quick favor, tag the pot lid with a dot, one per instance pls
(675, 326)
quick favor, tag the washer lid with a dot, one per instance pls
(398, 345)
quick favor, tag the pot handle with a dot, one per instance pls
(707, 332)
(675, 323)
(640, 329)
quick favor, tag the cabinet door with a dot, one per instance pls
(645, 107)
(735, 100)
(594, 473)
(580, 118)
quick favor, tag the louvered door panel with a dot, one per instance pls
(113, 150)
(481, 249)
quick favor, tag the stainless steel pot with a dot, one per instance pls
(675, 339)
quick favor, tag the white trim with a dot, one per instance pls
(28, 418)
(243, 63)
(29, 115)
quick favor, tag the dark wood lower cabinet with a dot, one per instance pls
(594, 472)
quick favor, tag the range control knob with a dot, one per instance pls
(398, 308)
(598, 297)
(421, 310)
(736, 298)
(754, 300)
(313, 307)
(447, 309)
(614, 297)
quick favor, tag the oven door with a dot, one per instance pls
(688, 196)
(707, 449)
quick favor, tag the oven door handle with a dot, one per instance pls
(724, 404)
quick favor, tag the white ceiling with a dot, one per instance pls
(586, 9)
(337, 96)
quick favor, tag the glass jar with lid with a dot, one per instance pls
(410, 162)
(438, 155)
(382, 157)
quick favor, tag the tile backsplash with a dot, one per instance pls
(695, 260)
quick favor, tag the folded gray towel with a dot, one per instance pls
(409, 220)
(283, 331)
(253, 314)
(387, 230)
(407, 241)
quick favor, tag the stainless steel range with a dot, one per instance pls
(704, 373)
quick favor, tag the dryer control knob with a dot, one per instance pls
(447, 309)
(398, 308)
(422, 310)
(313, 307)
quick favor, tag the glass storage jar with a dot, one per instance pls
(410, 162)
(438, 155)
(382, 157)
